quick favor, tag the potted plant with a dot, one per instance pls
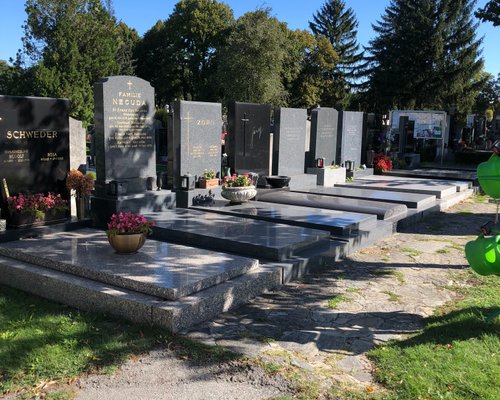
(238, 188)
(382, 163)
(208, 180)
(53, 206)
(127, 232)
(26, 210)
(81, 186)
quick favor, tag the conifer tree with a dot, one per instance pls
(339, 25)
(425, 56)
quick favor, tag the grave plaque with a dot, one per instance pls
(125, 140)
(248, 139)
(352, 136)
(34, 144)
(195, 139)
(323, 135)
(289, 141)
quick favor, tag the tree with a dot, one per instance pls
(72, 44)
(178, 55)
(490, 12)
(252, 63)
(426, 56)
(339, 25)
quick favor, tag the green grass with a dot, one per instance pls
(336, 300)
(393, 297)
(442, 251)
(389, 272)
(353, 290)
(44, 341)
(411, 252)
(456, 356)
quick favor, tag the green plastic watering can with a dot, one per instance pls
(483, 255)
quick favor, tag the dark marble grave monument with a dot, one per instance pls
(248, 139)
(195, 140)
(125, 140)
(34, 144)
(323, 142)
(289, 141)
(352, 137)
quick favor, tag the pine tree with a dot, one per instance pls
(425, 56)
(339, 25)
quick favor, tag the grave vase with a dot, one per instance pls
(82, 207)
(127, 243)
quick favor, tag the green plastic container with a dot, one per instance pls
(483, 255)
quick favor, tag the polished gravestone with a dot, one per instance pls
(289, 141)
(248, 139)
(336, 222)
(34, 144)
(195, 143)
(439, 189)
(160, 269)
(124, 136)
(323, 138)
(228, 233)
(435, 173)
(410, 200)
(352, 137)
(382, 210)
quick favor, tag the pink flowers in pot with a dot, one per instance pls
(36, 203)
(129, 223)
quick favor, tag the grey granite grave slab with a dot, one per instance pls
(430, 188)
(434, 173)
(228, 233)
(289, 141)
(410, 200)
(460, 185)
(160, 269)
(336, 222)
(381, 209)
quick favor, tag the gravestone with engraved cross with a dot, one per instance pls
(124, 134)
(248, 139)
(195, 139)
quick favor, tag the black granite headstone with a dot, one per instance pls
(248, 139)
(34, 144)
(125, 139)
(289, 141)
(323, 135)
(352, 136)
(195, 139)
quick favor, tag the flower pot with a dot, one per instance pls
(239, 194)
(21, 220)
(208, 183)
(53, 216)
(127, 243)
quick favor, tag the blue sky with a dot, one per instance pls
(142, 14)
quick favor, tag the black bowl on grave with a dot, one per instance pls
(278, 181)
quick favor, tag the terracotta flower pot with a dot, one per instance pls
(127, 243)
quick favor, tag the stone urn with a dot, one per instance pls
(127, 243)
(239, 194)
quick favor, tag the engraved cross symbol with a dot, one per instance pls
(187, 118)
(244, 120)
(129, 83)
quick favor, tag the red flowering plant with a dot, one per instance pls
(36, 204)
(237, 181)
(382, 163)
(129, 223)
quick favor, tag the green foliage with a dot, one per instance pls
(425, 56)
(339, 25)
(454, 357)
(251, 64)
(178, 56)
(490, 12)
(71, 45)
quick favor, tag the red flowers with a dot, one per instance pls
(34, 203)
(382, 163)
(129, 223)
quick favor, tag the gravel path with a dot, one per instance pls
(320, 327)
